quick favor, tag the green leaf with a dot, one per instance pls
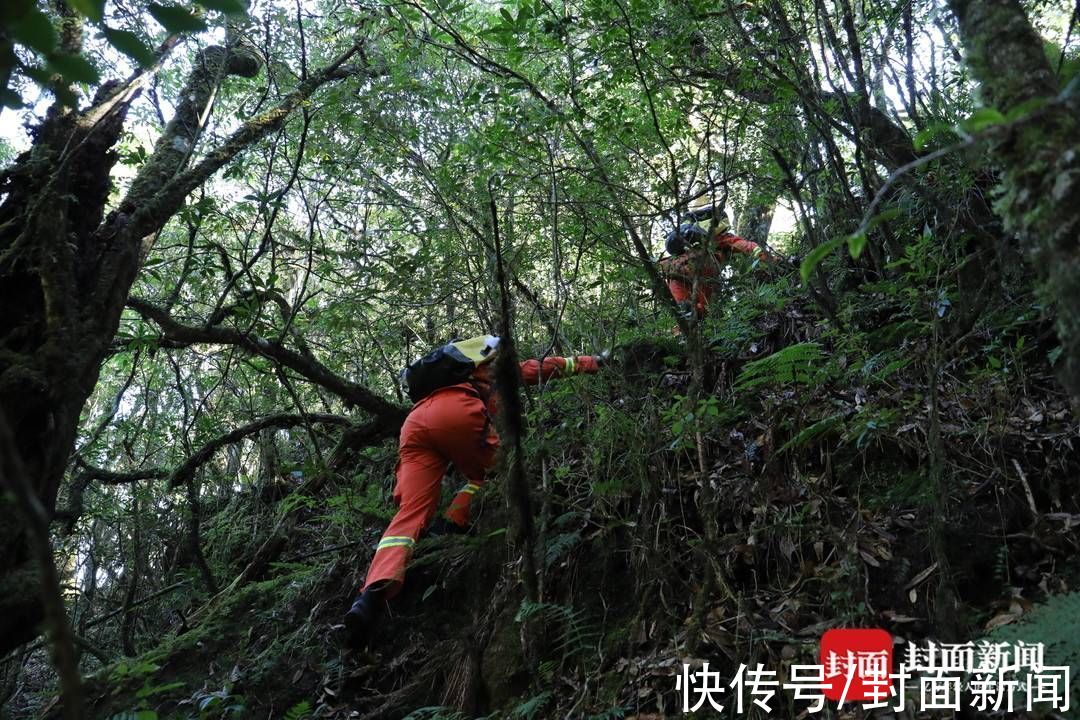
(982, 119)
(817, 255)
(1025, 108)
(299, 711)
(210, 701)
(35, 30)
(74, 68)
(410, 13)
(176, 19)
(882, 217)
(147, 689)
(855, 244)
(129, 44)
(807, 434)
(92, 9)
(230, 7)
(923, 137)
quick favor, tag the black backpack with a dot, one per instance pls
(450, 364)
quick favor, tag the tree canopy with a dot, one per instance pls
(226, 227)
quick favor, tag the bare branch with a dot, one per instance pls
(203, 454)
(353, 393)
(186, 469)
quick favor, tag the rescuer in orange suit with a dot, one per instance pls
(692, 262)
(451, 425)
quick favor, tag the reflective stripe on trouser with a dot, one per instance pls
(458, 512)
(448, 426)
(390, 541)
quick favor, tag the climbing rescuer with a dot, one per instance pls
(450, 422)
(691, 263)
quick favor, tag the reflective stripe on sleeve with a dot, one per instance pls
(396, 541)
(470, 489)
(570, 365)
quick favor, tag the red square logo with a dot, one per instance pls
(857, 664)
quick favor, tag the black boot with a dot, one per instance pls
(444, 526)
(361, 618)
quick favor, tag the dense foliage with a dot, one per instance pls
(228, 228)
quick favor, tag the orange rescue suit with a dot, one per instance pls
(681, 270)
(451, 425)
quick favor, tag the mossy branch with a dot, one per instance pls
(153, 204)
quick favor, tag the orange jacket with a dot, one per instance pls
(532, 372)
(695, 262)
(682, 270)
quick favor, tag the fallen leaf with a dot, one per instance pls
(1002, 619)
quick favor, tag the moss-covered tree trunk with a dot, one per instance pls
(1040, 157)
(66, 268)
(65, 271)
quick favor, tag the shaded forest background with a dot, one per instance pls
(224, 229)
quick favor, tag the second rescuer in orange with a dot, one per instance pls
(694, 264)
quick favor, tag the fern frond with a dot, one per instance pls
(529, 709)
(570, 632)
(809, 433)
(800, 363)
(558, 546)
(299, 711)
(615, 713)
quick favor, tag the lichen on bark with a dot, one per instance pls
(1039, 197)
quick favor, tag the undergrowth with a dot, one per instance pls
(733, 519)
